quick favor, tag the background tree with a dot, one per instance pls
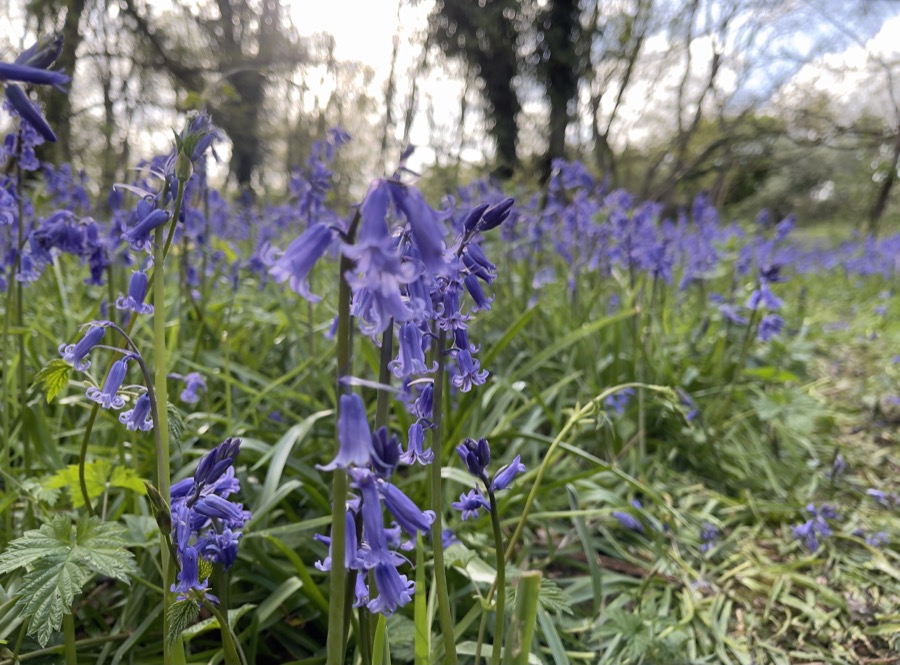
(485, 36)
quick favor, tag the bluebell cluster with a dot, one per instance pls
(816, 527)
(371, 459)
(206, 522)
(405, 272)
(476, 456)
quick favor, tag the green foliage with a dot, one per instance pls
(182, 613)
(53, 377)
(100, 476)
(61, 557)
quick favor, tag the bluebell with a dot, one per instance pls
(108, 397)
(77, 353)
(138, 418)
(354, 435)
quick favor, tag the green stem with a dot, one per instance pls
(518, 644)
(49, 651)
(234, 655)
(23, 388)
(82, 461)
(338, 609)
(70, 649)
(500, 581)
(7, 459)
(437, 540)
(161, 425)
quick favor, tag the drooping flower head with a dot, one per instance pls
(76, 354)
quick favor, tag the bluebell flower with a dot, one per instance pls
(410, 360)
(628, 521)
(351, 546)
(807, 533)
(471, 220)
(427, 232)
(354, 435)
(394, 589)
(385, 452)
(469, 372)
(139, 417)
(461, 341)
(378, 272)
(732, 313)
(687, 401)
(108, 397)
(815, 527)
(415, 448)
(139, 236)
(408, 516)
(32, 67)
(137, 292)
(76, 354)
(496, 215)
(450, 315)
(449, 538)
(478, 264)
(619, 400)
(423, 407)
(878, 539)
(709, 534)
(763, 298)
(838, 466)
(221, 547)
(374, 533)
(470, 503)
(189, 575)
(194, 383)
(473, 286)
(298, 260)
(216, 507)
(476, 455)
(880, 497)
(770, 326)
(504, 477)
(203, 519)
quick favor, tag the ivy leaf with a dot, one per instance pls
(62, 558)
(182, 613)
(53, 377)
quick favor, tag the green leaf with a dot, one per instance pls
(182, 613)
(62, 558)
(552, 598)
(98, 476)
(176, 426)
(53, 377)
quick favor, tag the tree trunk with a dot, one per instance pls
(884, 193)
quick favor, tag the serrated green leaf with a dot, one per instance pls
(53, 377)
(550, 595)
(62, 558)
(459, 555)
(182, 613)
(98, 475)
(176, 426)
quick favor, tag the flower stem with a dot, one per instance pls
(338, 609)
(233, 653)
(161, 425)
(69, 639)
(500, 581)
(437, 539)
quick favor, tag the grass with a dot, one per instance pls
(772, 419)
